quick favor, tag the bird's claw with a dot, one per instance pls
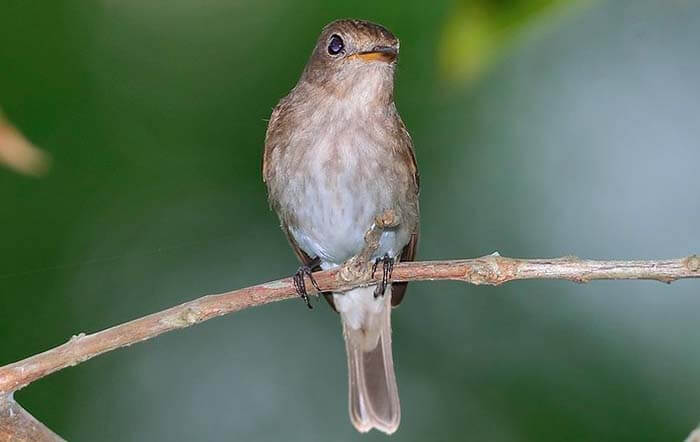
(387, 269)
(300, 283)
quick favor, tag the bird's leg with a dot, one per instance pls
(387, 268)
(300, 283)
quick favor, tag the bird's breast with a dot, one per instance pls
(344, 177)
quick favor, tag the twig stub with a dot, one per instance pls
(358, 269)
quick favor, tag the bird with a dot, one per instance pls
(337, 154)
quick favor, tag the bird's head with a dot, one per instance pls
(354, 57)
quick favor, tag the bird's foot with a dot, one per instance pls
(387, 268)
(300, 283)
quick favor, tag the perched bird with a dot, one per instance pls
(337, 155)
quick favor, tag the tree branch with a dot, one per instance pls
(16, 424)
(494, 269)
(491, 270)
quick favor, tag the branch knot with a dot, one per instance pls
(693, 263)
(358, 269)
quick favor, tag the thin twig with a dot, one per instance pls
(491, 269)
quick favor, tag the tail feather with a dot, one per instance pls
(373, 394)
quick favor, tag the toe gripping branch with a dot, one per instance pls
(387, 269)
(300, 283)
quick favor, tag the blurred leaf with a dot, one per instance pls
(694, 436)
(17, 153)
(479, 30)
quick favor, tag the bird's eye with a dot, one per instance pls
(335, 46)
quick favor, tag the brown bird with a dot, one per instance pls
(337, 155)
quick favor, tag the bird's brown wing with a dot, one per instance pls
(398, 289)
(273, 134)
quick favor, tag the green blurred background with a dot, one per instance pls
(542, 128)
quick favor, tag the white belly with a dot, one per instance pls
(347, 188)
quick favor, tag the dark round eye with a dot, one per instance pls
(335, 46)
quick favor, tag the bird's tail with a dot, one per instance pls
(374, 397)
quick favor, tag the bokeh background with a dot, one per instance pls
(542, 128)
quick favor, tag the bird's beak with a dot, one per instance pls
(386, 54)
